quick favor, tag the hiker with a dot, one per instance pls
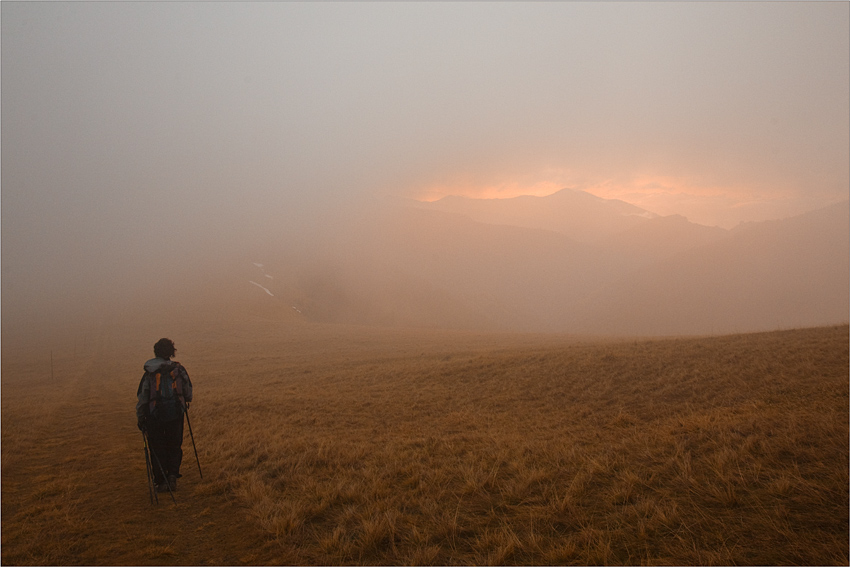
(164, 394)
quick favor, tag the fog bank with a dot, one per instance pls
(153, 151)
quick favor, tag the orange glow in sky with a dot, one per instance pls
(700, 202)
(505, 186)
(505, 190)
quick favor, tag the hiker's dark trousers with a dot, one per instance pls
(166, 438)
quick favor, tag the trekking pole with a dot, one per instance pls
(162, 470)
(151, 489)
(186, 413)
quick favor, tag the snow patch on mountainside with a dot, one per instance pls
(261, 287)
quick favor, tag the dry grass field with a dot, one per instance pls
(341, 445)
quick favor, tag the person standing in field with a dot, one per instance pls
(164, 395)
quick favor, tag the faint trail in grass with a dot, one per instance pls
(75, 492)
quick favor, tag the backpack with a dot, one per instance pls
(166, 394)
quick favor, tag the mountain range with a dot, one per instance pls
(577, 214)
(570, 262)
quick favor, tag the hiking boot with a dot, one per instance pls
(162, 487)
(172, 482)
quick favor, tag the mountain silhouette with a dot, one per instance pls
(764, 276)
(414, 265)
(659, 238)
(571, 212)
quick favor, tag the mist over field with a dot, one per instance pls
(455, 283)
(612, 169)
(620, 270)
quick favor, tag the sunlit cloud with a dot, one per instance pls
(699, 200)
(505, 190)
(538, 184)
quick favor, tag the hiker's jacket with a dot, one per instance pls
(157, 372)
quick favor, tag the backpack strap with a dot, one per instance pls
(177, 383)
(153, 381)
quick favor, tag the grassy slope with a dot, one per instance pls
(338, 445)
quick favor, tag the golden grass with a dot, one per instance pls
(355, 446)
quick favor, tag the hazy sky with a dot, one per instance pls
(133, 128)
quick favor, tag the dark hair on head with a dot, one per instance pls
(164, 348)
